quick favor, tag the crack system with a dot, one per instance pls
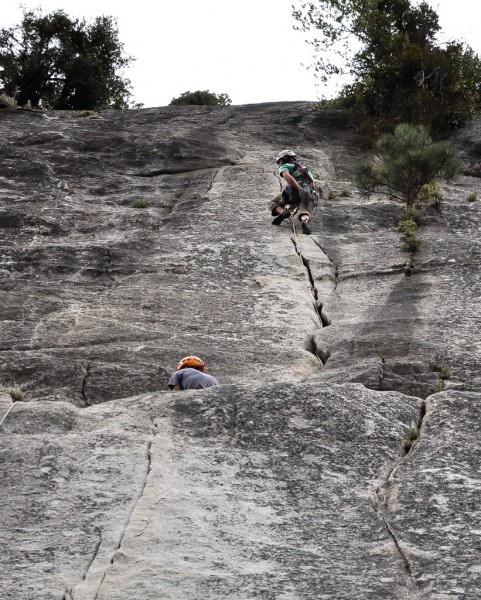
(381, 500)
(321, 354)
(83, 388)
(107, 263)
(140, 496)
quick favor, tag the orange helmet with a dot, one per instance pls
(194, 362)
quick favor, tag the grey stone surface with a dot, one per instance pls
(242, 491)
(433, 500)
(291, 481)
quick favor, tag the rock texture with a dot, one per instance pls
(324, 466)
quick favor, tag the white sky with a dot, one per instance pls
(246, 49)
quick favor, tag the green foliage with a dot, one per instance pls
(7, 101)
(438, 386)
(414, 214)
(398, 71)
(430, 193)
(140, 204)
(409, 240)
(404, 163)
(16, 394)
(407, 226)
(82, 114)
(201, 98)
(473, 196)
(444, 373)
(55, 62)
(411, 436)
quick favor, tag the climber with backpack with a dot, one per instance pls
(299, 192)
(190, 375)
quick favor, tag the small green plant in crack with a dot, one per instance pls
(82, 114)
(16, 393)
(431, 194)
(438, 386)
(473, 196)
(345, 194)
(414, 213)
(411, 436)
(140, 204)
(178, 193)
(444, 373)
(195, 195)
(410, 242)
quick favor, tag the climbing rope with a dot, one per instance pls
(6, 414)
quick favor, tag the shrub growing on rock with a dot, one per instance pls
(410, 241)
(404, 163)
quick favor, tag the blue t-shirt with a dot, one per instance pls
(192, 379)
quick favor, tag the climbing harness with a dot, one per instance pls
(315, 196)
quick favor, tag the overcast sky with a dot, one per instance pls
(246, 49)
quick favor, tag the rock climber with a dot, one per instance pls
(190, 375)
(298, 192)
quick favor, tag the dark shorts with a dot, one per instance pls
(290, 197)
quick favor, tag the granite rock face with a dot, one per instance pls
(324, 466)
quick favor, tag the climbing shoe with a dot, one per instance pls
(305, 228)
(280, 217)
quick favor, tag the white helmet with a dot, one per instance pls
(285, 153)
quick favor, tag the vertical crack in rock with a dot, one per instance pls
(98, 531)
(381, 500)
(83, 389)
(310, 280)
(212, 181)
(381, 372)
(417, 430)
(402, 555)
(409, 266)
(321, 354)
(107, 263)
(334, 267)
(139, 498)
(69, 594)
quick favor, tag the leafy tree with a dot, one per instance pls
(405, 162)
(53, 61)
(201, 98)
(399, 74)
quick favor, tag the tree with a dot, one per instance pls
(53, 61)
(201, 98)
(398, 71)
(406, 161)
